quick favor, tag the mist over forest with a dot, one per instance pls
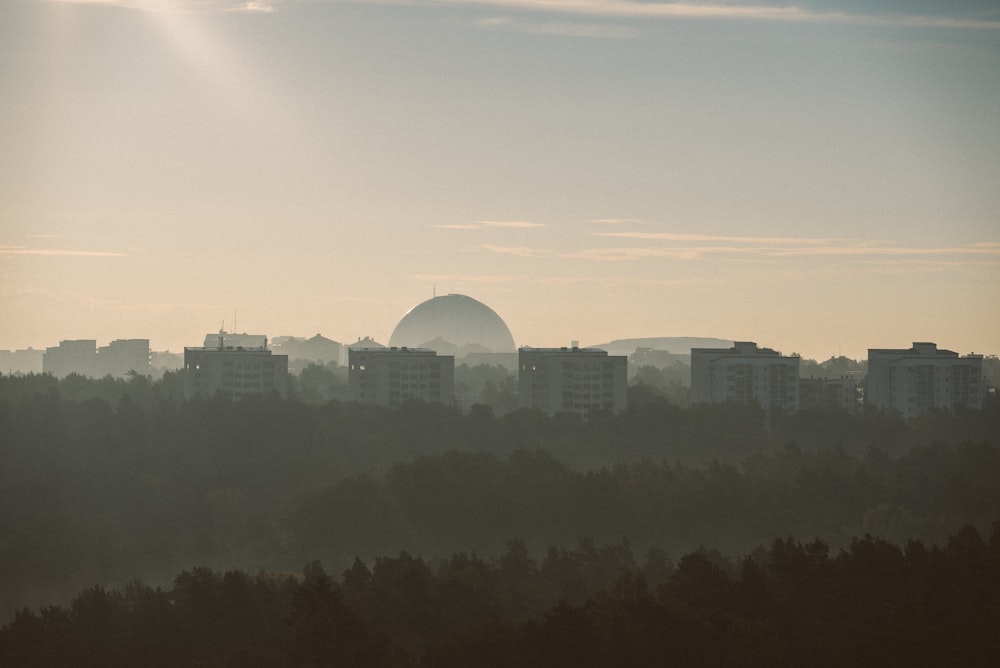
(107, 482)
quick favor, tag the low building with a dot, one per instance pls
(915, 380)
(234, 372)
(745, 374)
(571, 379)
(390, 376)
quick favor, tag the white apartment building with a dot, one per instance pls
(573, 379)
(922, 378)
(390, 376)
(745, 374)
(234, 372)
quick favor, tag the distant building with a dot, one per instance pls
(222, 338)
(390, 376)
(745, 374)
(21, 361)
(830, 393)
(505, 360)
(83, 357)
(367, 343)
(661, 359)
(161, 361)
(318, 349)
(124, 356)
(77, 356)
(573, 380)
(234, 372)
(922, 378)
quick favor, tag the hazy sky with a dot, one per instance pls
(819, 177)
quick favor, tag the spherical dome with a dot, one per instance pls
(453, 323)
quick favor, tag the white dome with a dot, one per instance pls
(458, 320)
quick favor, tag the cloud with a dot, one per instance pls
(617, 9)
(605, 9)
(635, 9)
(483, 224)
(56, 252)
(776, 248)
(565, 29)
(519, 251)
(185, 6)
(634, 253)
(518, 224)
(532, 279)
(617, 221)
(678, 236)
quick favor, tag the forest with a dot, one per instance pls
(110, 488)
(792, 604)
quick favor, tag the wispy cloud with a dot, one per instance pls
(619, 9)
(563, 28)
(680, 236)
(617, 221)
(518, 224)
(519, 251)
(534, 279)
(56, 252)
(187, 6)
(776, 248)
(492, 224)
(636, 9)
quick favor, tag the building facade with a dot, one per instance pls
(571, 380)
(745, 374)
(922, 378)
(390, 376)
(234, 372)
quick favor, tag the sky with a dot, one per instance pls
(818, 177)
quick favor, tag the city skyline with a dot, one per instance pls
(818, 177)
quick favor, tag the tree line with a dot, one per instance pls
(105, 481)
(793, 604)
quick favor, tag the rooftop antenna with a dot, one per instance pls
(435, 293)
(234, 321)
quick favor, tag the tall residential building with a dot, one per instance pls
(571, 380)
(234, 372)
(745, 374)
(390, 376)
(922, 378)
